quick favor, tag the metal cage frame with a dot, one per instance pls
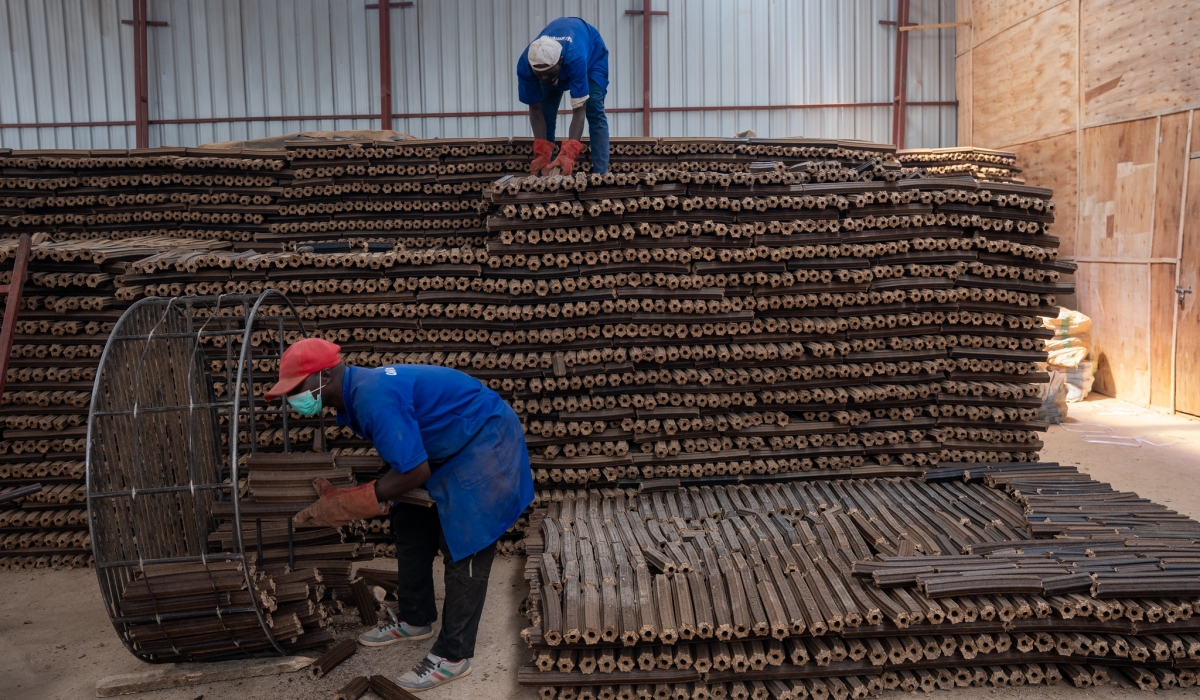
(178, 322)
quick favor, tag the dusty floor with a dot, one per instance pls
(56, 640)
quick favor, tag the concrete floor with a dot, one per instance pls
(56, 640)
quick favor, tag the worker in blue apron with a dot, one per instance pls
(441, 429)
(567, 56)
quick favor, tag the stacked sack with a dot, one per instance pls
(1068, 350)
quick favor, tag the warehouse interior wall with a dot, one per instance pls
(1098, 99)
(223, 70)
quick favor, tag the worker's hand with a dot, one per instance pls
(542, 150)
(338, 507)
(566, 157)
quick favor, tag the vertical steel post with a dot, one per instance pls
(646, 15)
(900, 98)
(141, 75)
(385, 65)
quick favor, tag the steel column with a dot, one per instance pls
(141, 75)
(646, 14)
(385, 66)
(900, 98)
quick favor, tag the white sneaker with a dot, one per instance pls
(392, 630)
(433, 671)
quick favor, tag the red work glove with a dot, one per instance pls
(542, 150)
(338, 507)
(567, 155)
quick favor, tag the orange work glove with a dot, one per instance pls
(542, 150)
(566, 156)
(338, 507)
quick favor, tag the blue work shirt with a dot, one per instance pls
(584, 56)
(479, 468)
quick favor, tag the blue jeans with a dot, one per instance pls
(596, 119)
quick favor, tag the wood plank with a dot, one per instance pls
(1053, 163)
(191, 674)
(1187, 340)
(1162, 322)
(962, 85)
(1168, 188)
(1117, 297)
(963, 41)
(1139, 59)
(1116, 190)
(990, 17)
(1030, 89)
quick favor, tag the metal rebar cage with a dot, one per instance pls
(172, 401)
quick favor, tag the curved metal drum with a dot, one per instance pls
(167, 408)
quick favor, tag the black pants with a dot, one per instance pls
(417, 533)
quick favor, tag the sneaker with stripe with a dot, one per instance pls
(433, 671)
(392, 630)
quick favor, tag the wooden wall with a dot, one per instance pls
(1096, 97)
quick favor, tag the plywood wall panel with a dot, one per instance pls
(1139, 58)
(1162, 323)
(990, 17)
(1187, 341)
(1117, 297)
(1053, 163)
(1168, 190)
(1025, 84)
(1116, 191)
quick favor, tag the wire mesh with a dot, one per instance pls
(172, 405)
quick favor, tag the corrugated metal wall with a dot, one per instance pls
(219, 66)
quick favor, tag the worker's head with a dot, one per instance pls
(545, 58)
(306, 372)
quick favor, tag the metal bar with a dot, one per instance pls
(216, 556)
(646, 16)
(162, 489)
(916, 27)
(291, 545)
(12, 306)
(258, 537)
(24, 491)
(186, 615)
(901, 80)
(823, 105)
(445, 115)
(161, 409)
(66, 125)
(646, 110)
(141, 79)
(149, 23)
(206, 334)
(385, 65)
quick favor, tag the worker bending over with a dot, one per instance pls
(435, 427)
(568, 55)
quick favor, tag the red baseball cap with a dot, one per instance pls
(301, 359)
